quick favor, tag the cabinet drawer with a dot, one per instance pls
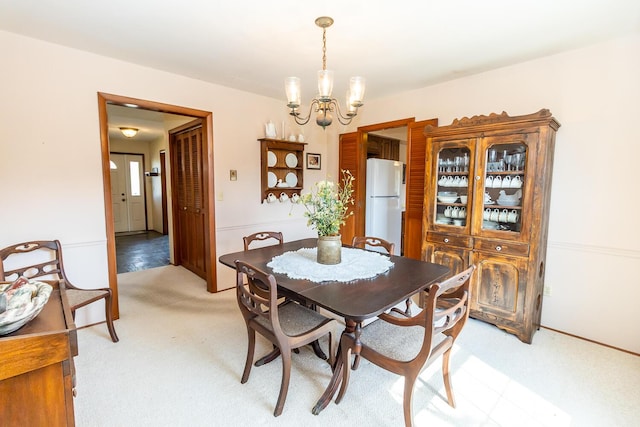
(501, 246)
(449, 239)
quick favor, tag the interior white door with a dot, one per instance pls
(119, 193)
(127, 192)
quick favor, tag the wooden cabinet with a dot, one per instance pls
(487, 203)
(37, 374)
(379, 147)
(282, 167)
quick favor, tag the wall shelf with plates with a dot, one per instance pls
(282, 167)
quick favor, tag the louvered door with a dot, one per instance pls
(353, 159)
(189, 200)
(415, 179)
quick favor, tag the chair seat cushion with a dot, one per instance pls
(295, 319)
(397, 342)
(78, 298)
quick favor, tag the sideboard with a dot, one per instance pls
(37, 375)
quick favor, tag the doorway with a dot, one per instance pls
(353, 156)
(208, 183)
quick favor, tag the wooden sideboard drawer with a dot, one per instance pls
(449, 239)
(501, 247)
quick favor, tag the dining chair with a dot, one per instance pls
(363, 242)
(407, 345)
(287, 326)
(262, 236)
(43, 259)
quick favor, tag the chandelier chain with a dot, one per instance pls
(324, 49)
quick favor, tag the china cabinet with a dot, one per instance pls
(487, 203)
(282, 168)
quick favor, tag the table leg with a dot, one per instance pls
(273, 354)
(268, 357)
(336, 378)
(318, 351)
(331, 389)
(357, 347)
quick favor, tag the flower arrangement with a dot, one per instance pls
(328, 208)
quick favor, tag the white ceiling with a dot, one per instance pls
(253, 45)
(150, 124)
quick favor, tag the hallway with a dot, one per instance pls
(141, 251)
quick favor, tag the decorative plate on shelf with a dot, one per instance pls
(272, 179)
(271, 159)
(291, 179)
(291, 160)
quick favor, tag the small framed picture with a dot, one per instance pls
(313, 161)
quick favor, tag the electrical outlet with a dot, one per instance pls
(547, 290)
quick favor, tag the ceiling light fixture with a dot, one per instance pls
(129, 132)
(323, 102)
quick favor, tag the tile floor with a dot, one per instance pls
(141, 251)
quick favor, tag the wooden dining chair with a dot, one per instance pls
(43, 259)
(407, 345)
(287, 326)
(364, 242)
(263, 236)
(267, 236)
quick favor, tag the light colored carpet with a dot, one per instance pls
(182, 351)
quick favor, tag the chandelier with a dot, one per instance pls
(323, 104)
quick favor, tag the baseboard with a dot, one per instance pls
(591, 341)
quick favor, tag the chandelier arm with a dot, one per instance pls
(345, 120)
(304, 120)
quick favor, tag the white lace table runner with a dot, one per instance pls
(356, 264)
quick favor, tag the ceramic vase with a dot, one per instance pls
(329, 250)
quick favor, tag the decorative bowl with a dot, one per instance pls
(15, 318)
(447, 199)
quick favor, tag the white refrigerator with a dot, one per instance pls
(383, 201)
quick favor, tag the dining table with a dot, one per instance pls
(355, 300)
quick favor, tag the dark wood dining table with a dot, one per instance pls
(355, 300)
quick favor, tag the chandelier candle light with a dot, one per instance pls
(323, 104)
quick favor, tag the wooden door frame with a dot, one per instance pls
(163, 185)
(207, 118)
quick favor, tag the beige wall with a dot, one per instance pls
(52, 179)
(51, 162)
(594, 240)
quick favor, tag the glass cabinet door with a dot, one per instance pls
(505, 169)
(454, 165)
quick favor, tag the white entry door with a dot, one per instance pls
(127, 192)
